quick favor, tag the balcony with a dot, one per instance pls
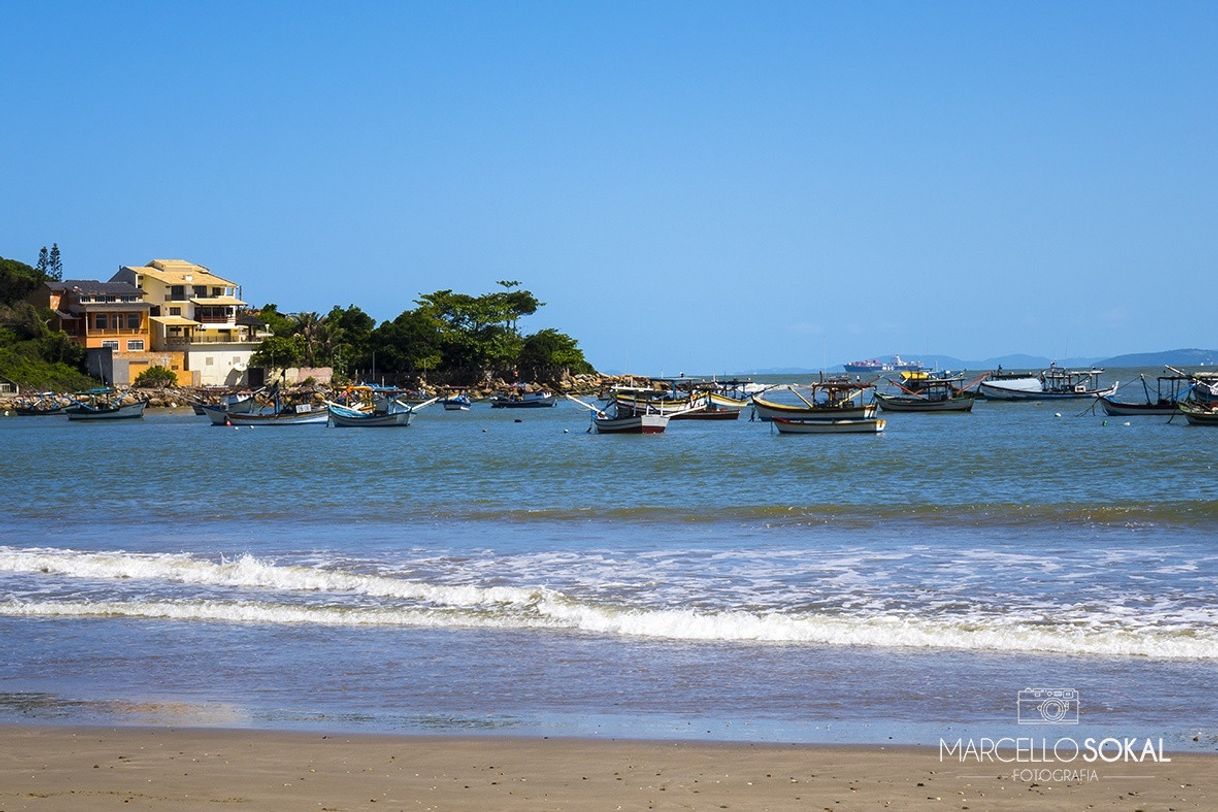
(180, 343)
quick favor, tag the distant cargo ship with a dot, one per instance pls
(875, 365)
(870, 365)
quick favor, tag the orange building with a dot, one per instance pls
(111, 321)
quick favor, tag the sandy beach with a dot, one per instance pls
(53, 768)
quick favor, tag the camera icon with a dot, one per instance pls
(1047, 706)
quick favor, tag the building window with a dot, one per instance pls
(217, 292)
(135, 345)
(209, 361)
(201, 291)
(113, 345)
(133, 321)
(177, 292)
(100, 321)
(175, 311)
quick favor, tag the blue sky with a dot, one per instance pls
(689, 186)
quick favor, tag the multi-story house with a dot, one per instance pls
(111, 321)
(197, 313)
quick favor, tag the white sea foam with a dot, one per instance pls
(556, 612)
(322, 596)
(249, 572)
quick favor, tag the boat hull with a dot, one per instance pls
(526, 403)
(994, 391)
(1200, 417)
(1114, 408)
(128, 412)
(868, 426)
(769, 410)
(221, 417)
(395, 420)
(26, 411)
(634, 424)
(896, 403)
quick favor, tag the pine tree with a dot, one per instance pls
(56, 268)
(44, 262)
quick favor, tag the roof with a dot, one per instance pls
(176, 271)
(102, 307)
(174, 321)
(96, 286)
(218, 300)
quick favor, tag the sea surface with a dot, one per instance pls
(506, 572)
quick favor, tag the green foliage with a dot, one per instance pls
(18, 280)
(24, 362)
(449, 337)
(55, 263)
(278, 352)
(548, 352)
(156, 377)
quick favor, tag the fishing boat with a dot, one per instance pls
(611, 420)
(111, 411)
(937, 394)
(302, 415)
(1054, 383)
(457, 403)
(230, 403)
(520, 399)
(1198, 415)
(39, 405)
(872, 425)
(1170, 391)
(346, 417)
(831, 399)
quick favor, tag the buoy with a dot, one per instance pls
(484, 431)
(1057, 414)
(517, 420)
(566, 431)
(1127, 423)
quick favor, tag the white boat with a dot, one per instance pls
(309, 416)
(868, 426)
(631, 424)
(1054, 383)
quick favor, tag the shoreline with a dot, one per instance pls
(51, 767)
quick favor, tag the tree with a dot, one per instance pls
(18, 280)
(44, 262)
(156, 377)
(278, 352)
(55, 271)
(548, 353)
(281, 324)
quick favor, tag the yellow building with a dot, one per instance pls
(197, 313)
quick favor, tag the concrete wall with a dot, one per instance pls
(219, 364)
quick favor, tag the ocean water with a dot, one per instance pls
(477, 574)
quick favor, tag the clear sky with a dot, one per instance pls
(689, 186)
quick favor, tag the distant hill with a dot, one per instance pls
(1177, 358)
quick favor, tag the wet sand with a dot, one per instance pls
(59, 768)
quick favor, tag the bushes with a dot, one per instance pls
(156, 377)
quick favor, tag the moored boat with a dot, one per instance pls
(630, 424)
(863, 426)
(303, 415)
(1054, 383)
(39, 405)
(343, 417)
(85, 411)
(831, 399)
(523, 400)
(457, 403)
(934, 394)
(1199, 415)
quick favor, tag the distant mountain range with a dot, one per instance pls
(1176, 358)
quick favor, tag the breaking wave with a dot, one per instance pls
(323, 597)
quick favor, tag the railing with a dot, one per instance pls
(209, 339)
(112, 331)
